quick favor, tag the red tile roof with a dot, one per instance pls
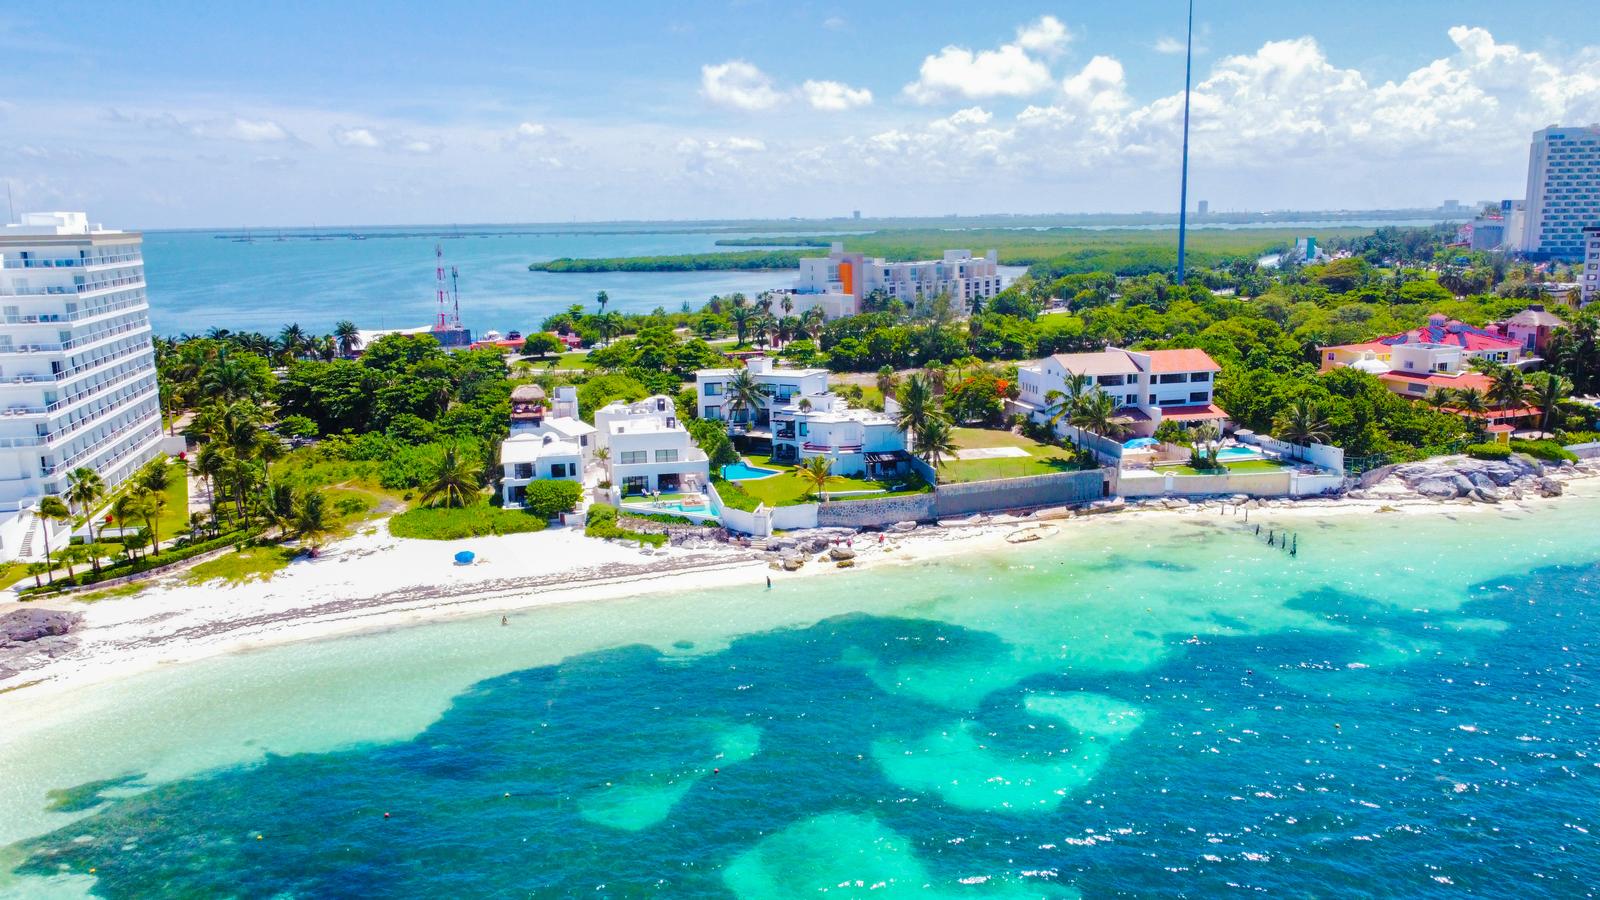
(1435, 379)
(1193, 413)
(1164, 361)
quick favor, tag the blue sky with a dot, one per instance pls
(167, 113)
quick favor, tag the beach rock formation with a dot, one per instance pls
(30, 636)
(1478, 480)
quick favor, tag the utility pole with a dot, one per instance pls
(1183, 191)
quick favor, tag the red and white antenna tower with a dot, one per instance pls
(441, 290)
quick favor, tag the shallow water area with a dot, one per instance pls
(1143, 705)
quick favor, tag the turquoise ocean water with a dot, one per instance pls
(198, 280)
(1137, 707)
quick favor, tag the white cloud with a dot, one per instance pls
(739, 85)
(1100, 87)
(1047, 36)
(256, 131)
(355, 137)
(835, 23)
(834, 96)
(711, 156)
(1012, 70)
(1169, 45)
(531, 130)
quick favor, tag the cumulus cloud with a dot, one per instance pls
(531, 130)
(711, 156)
(739, 85)
(1169, 45)
(355, 137)
(834, 96)
(223, 128)
(255, 131)
(1011, 70)
(363, 137)
(835, 23)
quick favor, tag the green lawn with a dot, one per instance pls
(243, 566)
(175, 515)
(788, 489)
(1042, 459)
(1249, 465)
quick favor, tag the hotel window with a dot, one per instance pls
(1199, 397)
(714, 413)
(803, 429)
(524, 470)
(714, 389)
(1206, 376)
(633, 457)
(558, 470)
(666, 456)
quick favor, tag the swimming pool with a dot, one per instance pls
(1238, 453)
(743, 471)
(1140, 443)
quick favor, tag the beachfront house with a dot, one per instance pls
(1455, 342)
(535, 412)
(1148, 386)
(1532, 329)
(778, 386)
(648, 450)
(526, 457)
(857, 442)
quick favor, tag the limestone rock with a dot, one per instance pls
(1435, 489)
(32, 624)
(841, 553)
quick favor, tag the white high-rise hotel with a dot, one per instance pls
(77, 372)
(1563, 191)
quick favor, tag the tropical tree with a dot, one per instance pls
(292, 339)
(917, 403)
(887, 381)
(1173, 432)
(935, 441)
(1207, 436)
(125, 507)
(1470, 400)
(1508, 388)
(151, 504)
(52, 509)
(817, 473)
(348, 337)
(1548, 390)
(742, 317)
(311, 516)
(744, 395)
(85, 487)
(37, 569)
(209, 463)
(1096, 413)
(1060, 405)
(1301, 423)
(600, 300)
(454, 479)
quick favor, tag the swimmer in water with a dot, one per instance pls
(504, 621)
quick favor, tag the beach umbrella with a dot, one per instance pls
(464, 558)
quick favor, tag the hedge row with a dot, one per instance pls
(152, 561)
(602, 523)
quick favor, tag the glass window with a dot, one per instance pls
(631, 457)
(666, 456)
(714, 389)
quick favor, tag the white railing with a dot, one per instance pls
(74, 263)
(118, 405)
(97, 446)
(104, 387)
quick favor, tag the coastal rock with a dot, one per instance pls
(1549, 487)
(845, 563)
(838, 554)
(903, 527)
(1486, 495)
(1435, 489)
(792, 563)
(32, 624)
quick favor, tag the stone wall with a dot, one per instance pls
(1055, 489)
(1585, 451)
(877, 513)
(1256, 484)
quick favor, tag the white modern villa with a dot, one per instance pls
(533, 411)
(838, 282)
(77, 372)
(648, 450)
(858, 442)
(778, 384)
(526, 457)
(1148, 386)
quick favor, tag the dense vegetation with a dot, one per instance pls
(685, 262)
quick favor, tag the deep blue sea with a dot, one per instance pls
(198, 280)
(1408, 708)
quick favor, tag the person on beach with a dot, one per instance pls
(769, 582)
(504, 621)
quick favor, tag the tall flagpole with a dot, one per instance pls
(1183, 195)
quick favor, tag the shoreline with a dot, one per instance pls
(373, 582)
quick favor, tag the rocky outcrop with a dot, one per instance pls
(30, 636)
(1476, 480)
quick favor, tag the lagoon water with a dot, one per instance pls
(1144, 706)
(199, 280)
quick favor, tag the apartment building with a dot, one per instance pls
(839, 281)
(1563, 191)
(1148, 386)
(77, 370)
(1590, 282)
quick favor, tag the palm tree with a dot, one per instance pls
(744, 395)
(454, 480)
(292, 339)
(813, 321)
(817, 473)
(887, 381)
(600, 300)
(1548, 390)
(935, 440)
(1301, 423)
(209, 462)
(1470, 400)
(742, 316)
(123, 508)
(85, 487)
(1508, 389)
(1060, 405)
(156, 475)
(151, 504)
(348, 337)
(917, 404)
(52, 509)
(1096, 412)
(1206, 437)
(311, 516)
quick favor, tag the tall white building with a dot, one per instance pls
(77, 372)
(839, 281)
(1563, 191)
(1591, 266)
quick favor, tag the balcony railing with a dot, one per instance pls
(78, 263)
(120, 381)
(72, 429)
(84, 454)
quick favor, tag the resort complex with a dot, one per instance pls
(78, 384)
(839, 282)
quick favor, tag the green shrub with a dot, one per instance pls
(733, 496)
(1488, 451)
(1568, 438)
(662, 518)
(151, 561)
(602, 523)
(478, 520)
(1549, 451)
(548, 499)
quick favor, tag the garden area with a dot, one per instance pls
(791, 487)
(987, 454)
(1241, 467)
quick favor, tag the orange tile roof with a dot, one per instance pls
(1436, 379)
(1191, 360)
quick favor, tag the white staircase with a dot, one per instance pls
(25, 551)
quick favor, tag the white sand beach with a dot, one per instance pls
(374, 581)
